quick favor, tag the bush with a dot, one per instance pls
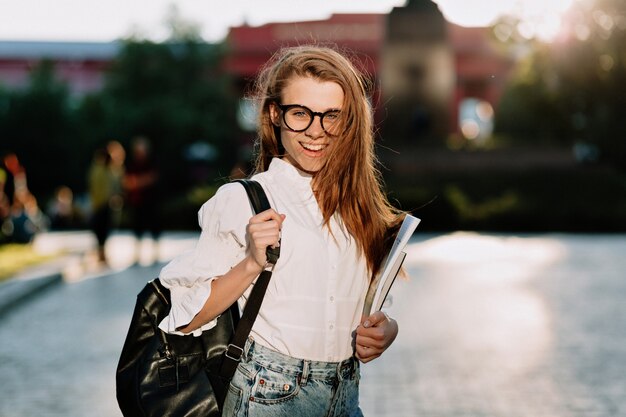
(586, 199)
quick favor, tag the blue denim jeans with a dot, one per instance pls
(271, 384)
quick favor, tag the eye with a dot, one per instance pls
(299, 113)
(331, 116)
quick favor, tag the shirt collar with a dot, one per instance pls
(292, 176)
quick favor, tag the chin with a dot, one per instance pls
(312, 168)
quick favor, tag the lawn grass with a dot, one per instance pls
(15, 257)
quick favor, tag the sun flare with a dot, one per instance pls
(538, 19)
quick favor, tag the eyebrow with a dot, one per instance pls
(302, 105)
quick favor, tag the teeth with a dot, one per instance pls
(313, 147)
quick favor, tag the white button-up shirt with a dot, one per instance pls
(315, 297)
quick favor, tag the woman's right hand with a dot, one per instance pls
(263, 230)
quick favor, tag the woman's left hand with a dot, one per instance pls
(374, 335)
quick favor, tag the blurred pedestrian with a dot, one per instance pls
(5, 205)
(17, 182)
(118, 170)
(23, 219)
(101, 186)
(64, 214)
(26, 217)
(141, 183)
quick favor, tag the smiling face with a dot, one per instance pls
(308, 150)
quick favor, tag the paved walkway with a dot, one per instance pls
(489, 326)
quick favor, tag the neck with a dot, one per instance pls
(298, 166)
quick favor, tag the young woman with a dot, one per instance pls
(334, 225)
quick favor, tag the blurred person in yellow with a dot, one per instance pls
(101, 184)
(118, 170)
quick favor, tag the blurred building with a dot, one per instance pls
(432, 79)
(417, 73)
(252, 46)
(426, 71)
(79, 64)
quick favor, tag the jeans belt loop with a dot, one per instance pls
(354, 362)
(305, 372)
(339, 375)
(247, 347)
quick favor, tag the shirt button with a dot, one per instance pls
(331, 327)
(332, 298)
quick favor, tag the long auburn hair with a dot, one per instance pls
(349, 183)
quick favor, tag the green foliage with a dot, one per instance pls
(573, 92)
(181, 212)
(585, 199)
(172, 93)
(529, 109)
(470, 211)
(40, 126)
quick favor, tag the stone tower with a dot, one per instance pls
(417, 76)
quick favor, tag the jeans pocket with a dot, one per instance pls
(273, 387)
(247, 371)
(232, 403)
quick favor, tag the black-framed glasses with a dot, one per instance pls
(299, 118)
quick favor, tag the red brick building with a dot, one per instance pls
(251, 47)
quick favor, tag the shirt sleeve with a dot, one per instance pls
(222, 244)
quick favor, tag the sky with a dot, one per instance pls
(106, 20)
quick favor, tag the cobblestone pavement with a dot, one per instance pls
(489, 326)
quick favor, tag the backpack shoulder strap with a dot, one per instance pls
(260, 203)
(256, 194)
(233, 353)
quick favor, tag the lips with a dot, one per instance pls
(313, 147)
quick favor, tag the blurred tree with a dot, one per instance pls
(571, 91)
(529, 109)
(39, 125)
(175, 94)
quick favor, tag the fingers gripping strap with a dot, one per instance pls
(260, 203)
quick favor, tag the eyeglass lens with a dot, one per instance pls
(299, 118)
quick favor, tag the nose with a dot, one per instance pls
(315, 129)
